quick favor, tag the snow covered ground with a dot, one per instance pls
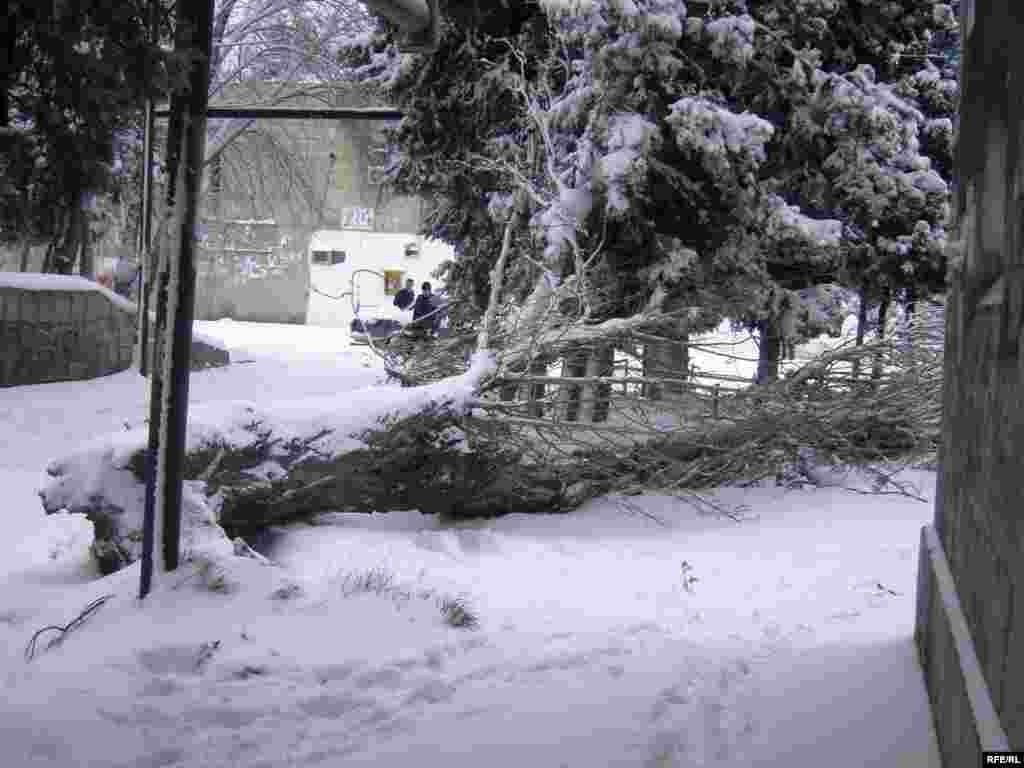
(632, 633)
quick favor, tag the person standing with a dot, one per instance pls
(423, 306)
(405, 297)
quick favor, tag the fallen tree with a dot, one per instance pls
(453, 449)
(249, 468)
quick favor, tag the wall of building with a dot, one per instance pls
(305, 176)
(257, 271)
(980, 500)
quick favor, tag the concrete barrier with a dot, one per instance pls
(65, 328)
(61, 328)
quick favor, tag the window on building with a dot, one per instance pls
(328, 258)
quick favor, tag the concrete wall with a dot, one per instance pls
(61, 334)
(253, 292)
(60, 328)
(254, 271)
(980, 499)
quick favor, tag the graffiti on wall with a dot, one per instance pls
(249, 270)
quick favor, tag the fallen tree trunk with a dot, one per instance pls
(251, 479)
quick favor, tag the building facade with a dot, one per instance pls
(277, 189)
(970, 618)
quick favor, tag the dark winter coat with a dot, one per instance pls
(424, 306)
(404, 298)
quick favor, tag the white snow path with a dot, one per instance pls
(793, 647)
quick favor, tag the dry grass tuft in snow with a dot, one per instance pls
(455, 610)
(377, 581)
(458, 613)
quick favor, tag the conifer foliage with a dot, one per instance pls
(73, 78)
(763, 161)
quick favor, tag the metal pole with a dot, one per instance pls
(186, 149)
(196, 19)
(297, 113)
(145, 235)
(146, 215)
(161, 280)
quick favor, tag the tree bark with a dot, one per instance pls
(597, 398)
(862, 324)
(668, 360)
(883, 311)
(65, 254)
(48, 256)
(87, 256)
(26, 253)
(769, 352)
(906, 333)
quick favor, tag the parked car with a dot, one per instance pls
(387, 322)
(378, 328)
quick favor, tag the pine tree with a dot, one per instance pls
(748, 161)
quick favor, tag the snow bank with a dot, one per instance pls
(595, 646)
(786, 641)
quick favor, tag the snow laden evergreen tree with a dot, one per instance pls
(866, 207)
(621, 178)
(623, 159)
(73, 77)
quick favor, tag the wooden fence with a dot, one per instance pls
(602, 385)
(616, 388)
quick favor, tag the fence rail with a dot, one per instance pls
(599, 384)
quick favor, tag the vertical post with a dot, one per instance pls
(145, 240)
(161, 282)
(574, 365)
(187, 146)
(537, 390)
